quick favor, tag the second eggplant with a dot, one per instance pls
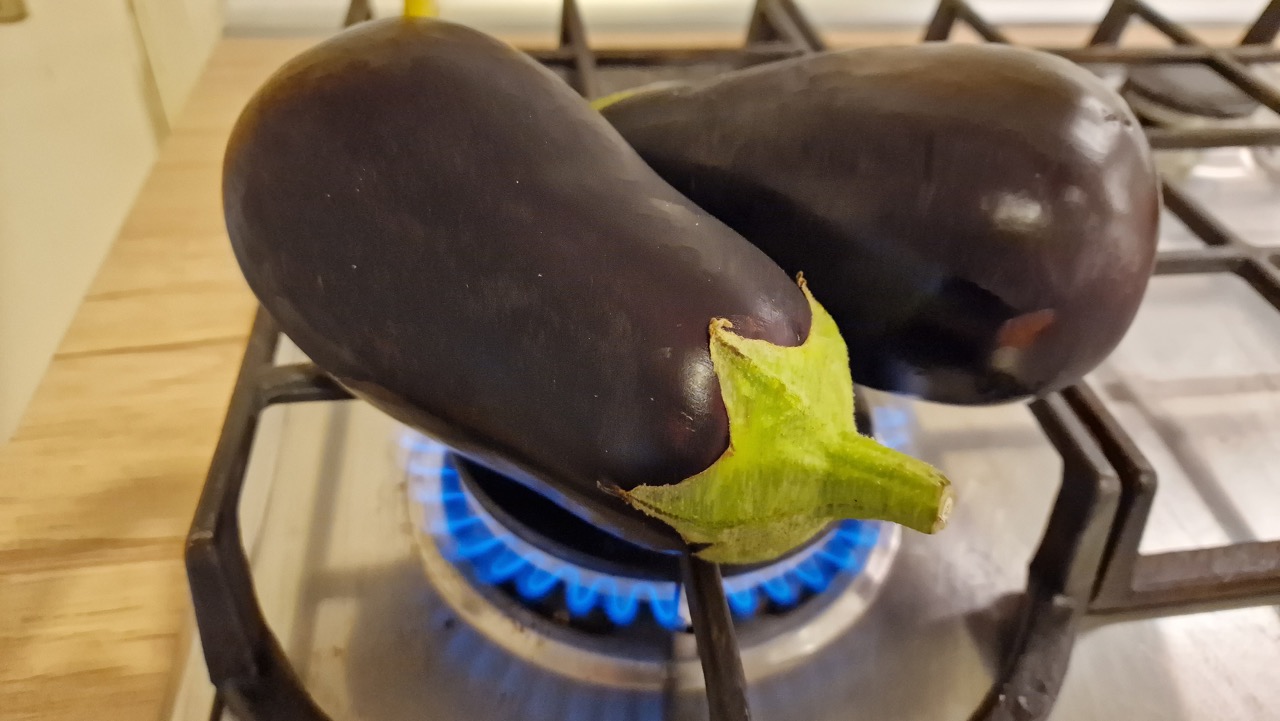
(981, 221)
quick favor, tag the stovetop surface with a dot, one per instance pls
(1196, 383)
(339, 570)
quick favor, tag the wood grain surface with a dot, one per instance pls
(98, 485)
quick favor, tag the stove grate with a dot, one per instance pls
(1088, 560)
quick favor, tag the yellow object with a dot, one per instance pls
(603, 102)
(420, 9)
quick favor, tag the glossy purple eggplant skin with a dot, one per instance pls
(448, 229)
(980, 220)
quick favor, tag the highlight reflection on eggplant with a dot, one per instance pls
(980, 220)
(444, 226)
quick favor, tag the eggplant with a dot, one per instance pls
(980, 220)
(443, 226)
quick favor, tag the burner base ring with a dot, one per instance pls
(659, 658)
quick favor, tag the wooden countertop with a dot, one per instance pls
(98, 485)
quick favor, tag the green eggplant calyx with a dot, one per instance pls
(795, 461)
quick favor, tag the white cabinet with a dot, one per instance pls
(87, 92)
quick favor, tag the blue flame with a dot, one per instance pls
(472, 538)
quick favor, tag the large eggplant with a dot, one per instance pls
(980, 220)
(445, 227)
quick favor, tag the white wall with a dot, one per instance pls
(177, 36)
(305, 16)
(84, 102)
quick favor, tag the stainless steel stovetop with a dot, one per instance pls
(354, 571)
(331, 524)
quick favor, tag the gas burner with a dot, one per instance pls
(1192, 96)
(568, 587)
(312, 604)
(487, 540)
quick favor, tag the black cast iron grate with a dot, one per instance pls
(1087, 561)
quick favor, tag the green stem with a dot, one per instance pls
(870, 481)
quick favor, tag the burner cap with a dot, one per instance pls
(1191, 88)
(549, 527)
